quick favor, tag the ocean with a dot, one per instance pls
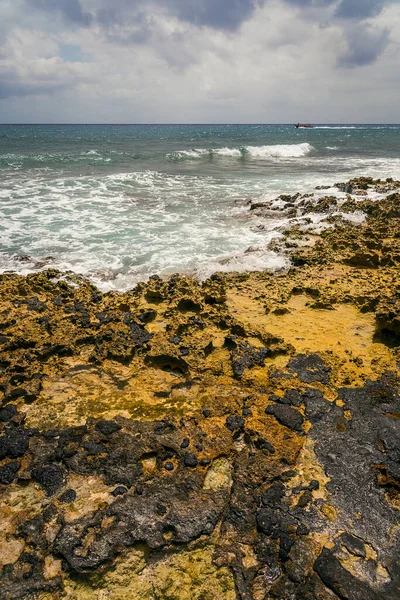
(118, 203)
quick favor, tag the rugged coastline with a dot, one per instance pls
(237, 438)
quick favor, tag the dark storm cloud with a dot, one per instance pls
(364, 46)
(70, 10)
(225, 15)
(359, 9)
(218, 14)
(317, 3)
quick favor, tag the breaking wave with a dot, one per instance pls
(263, 152)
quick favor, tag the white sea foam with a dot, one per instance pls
(336, 127)
(259, 260)
(263, 152)
(364, 127)
(117, 228)
(227, 152)
(280, 151)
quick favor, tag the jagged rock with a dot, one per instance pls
(50, 477)
(9, 471)
(289, 417)
(353, 544)
(138, 457)
(340, 581)
(13, 443)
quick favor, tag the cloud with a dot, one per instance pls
(198, 60)
(359, 9)
(23, 77)
(12, 86)
(311, 3)
(217, 14)
(70, 10)
(364, 46)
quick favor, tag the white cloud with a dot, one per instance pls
(282, 64)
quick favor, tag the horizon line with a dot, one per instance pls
(199, 124)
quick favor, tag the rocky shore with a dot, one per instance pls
(232, 439)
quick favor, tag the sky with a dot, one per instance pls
(199, 61)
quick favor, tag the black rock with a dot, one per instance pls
(168, 454)
(286, 475)
(204, 462)
(169, 466)
(68, 496)
(305, 499)
(206, 413)
(287, 416)
(119, 491)
(163, 427)
(341, 581)
(8, 412)
(292, 397)
(75, 433)
(353, 544)
(267, 520)
(246, 412)
(139, 335)
(286, 543)
(107, 427)
(50, 478)
(162, 394)
(14, 443)
(302, 529)
(273, 495)
(92, 448)
(190, 460)
(316, 405)
(161, 510)
(147, 316)
(8, 472)
(51, 434)
(234, 422)
(185, 443)
(314, 485)
(245, 356)
(266, 446)
(309, 368)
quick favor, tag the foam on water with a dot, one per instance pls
(335, 127)
(119, 204)
(266, 152)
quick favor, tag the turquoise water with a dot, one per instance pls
(119, 203)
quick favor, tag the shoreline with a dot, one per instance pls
(280, 217)
(235, 438)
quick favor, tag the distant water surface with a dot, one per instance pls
(118, 203)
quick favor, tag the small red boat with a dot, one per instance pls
(300, 126)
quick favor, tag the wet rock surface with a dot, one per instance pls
(236, 439)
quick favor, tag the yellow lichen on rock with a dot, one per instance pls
(182, 575)
(236, 438)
